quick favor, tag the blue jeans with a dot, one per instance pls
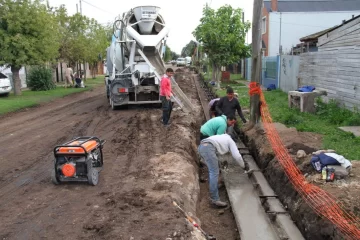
(208, 152)
(167, 108)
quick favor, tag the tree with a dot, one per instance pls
(97, 41)
(189, 49)
(168, 55)
(28, 36)
(174, 55)
(222, 35)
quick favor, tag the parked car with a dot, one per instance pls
(5, 85)
(188, 61)
(180, 62)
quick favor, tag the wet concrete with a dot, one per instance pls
(250, 216)
(257, 210)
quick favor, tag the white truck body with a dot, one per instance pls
(135, 57)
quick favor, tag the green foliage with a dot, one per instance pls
(168, 55)
(189, 49)
(28, 35)
(222, 34)
(332, 113)
(81, 38)
(40, 79)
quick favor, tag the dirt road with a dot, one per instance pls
(31, 207)
(146, 166)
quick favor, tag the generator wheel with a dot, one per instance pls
(93, 176)
(54, 178)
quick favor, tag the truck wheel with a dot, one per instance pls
(107, 92)
(54, 178)
(113, 107)
(93, 176)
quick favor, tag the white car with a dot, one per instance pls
(180, 62)
(5, 85)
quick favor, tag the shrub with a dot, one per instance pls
(40, 79)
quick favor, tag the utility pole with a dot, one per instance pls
(84, 60)
(256, 59)
(77, 8)
(280, 47)
(243, 60)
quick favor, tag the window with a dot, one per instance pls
(263, 25)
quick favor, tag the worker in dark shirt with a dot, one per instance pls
(228, 105)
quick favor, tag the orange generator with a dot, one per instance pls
(81, 159)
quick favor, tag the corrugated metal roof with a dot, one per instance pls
(314, 5)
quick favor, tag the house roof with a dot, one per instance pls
(314, 5)
(316, 35)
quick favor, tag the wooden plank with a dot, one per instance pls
(343, 30)
(343, 43)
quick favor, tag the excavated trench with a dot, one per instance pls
(280, 224)
(217, 222)
(307, 221)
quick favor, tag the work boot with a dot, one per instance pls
(219, 203)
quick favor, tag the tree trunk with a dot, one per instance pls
(85, 71)
(16, 79)
(217, 76)
(94, 70)
(214, 72)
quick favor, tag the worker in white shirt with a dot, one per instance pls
(69, 75)
(208, 149)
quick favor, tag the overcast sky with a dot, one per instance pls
(181, 16)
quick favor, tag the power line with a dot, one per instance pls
(97, 7)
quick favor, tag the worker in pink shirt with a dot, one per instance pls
(165, 95)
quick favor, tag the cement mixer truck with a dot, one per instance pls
(135, 57)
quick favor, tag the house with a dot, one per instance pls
(309, 43)
(335, 66)
(284, 22)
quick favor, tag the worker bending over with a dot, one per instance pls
(212, 109)
(228, 105)
(208, 148)
(216, 126)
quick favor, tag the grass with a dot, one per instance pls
(33, 98)
(233, 77)
(325, 121)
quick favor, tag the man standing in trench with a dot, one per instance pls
(165, 96)
(228, 105)
(208, 149)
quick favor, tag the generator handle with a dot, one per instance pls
(101, 142)
(60, 146)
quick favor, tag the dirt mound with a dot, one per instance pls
(179, 70)
(309, 223)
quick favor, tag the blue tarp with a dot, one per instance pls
(306, 89)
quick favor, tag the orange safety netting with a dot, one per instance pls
(320, 201)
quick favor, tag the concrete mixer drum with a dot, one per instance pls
(135, 57)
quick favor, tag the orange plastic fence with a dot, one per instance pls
(320, 201)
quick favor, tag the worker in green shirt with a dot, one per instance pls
(216, 126)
